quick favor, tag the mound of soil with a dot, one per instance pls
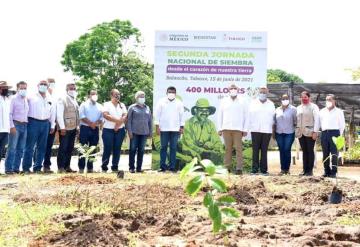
(78, 179)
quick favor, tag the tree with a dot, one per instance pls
(355, 73)
(107, 57)
(278, 75)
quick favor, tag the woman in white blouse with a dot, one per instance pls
(113, 130)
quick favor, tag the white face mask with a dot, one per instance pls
(72, 93)
(262, 96)
(43, 88)
(285, 102)
(171, 96)
(329, 104)
(94, 97)
(141, 101)
(233, 92)
(22, 92)
(51, 85)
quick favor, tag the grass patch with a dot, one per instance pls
(21, 222)
(348, 220)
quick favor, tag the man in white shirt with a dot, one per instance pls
(39, 115)
(51, 136)
(261, 122)
(5, 116)
(67, 117)
(232, 125)
(169, 122)
(332, 122)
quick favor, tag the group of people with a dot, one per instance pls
(29, 123)
(262, 120)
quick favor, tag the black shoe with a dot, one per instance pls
(238, 172)
(265, 173)
(90, 171)
(25, 172)
(325, 175)
(132, 171)
(283, 173)
(9, 173)
(253, 173)
(308, 174)
(332, 176)
(61, 170)
(302, 174)
(104, 171)
(139, 171)
(16, 172)
(38, 172)
(81, 171)
(48, 171)
(115, 170)
(162, 170)
(69, 170)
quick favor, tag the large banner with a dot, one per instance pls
(201, 65)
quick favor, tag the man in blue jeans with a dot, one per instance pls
(5, 117)
(169, 121)
(19, 109)
(90, 119)
(139, 128)
(40, 108)
(332, 122)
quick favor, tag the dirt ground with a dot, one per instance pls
(152, 209)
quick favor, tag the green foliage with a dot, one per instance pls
(339, 142)
(353, 153)
(106, 57)
(211, 201)
(355, 73)
(87, 152)
(278, 75)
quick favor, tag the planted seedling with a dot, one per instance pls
(215, 200)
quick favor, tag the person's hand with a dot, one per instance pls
(117, 127)
(220, 133)
(52, 130)
(13, 130)
(62, 132)
(181, 130)
(120, 121)
(130, 135)
(244, 133)
(93, 125)
(158, 130)
(314, 136)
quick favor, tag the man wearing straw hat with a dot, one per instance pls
(5, 116)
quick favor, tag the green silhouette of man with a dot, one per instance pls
(200, 138)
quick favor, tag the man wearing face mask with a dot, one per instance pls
(90, 120)
(233, 126)
(169, 122)
(51, 136)
(67, 116)
(261, 122)
(5, 115)
(19, 109)
(285, 122)
(40, 109)
(139, 126)
(332, 122)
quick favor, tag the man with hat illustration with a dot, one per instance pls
(5, 116)
(200, 138)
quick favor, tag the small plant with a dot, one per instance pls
(87, 152)
(217, 203)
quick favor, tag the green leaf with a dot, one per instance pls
(208, 199)
(221, 170)
(339, 142)
(227, 227)
(230, 212)
(226, 200)
(218, 184)
(194, 185)
(215, 216)
(188, 168)
(210, 168)
(195, 168)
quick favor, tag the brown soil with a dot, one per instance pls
(78, 179)
(277, 211)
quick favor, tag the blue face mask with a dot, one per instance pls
(22, 92)
(42, 89)
(262, 96)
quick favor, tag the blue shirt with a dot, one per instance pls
(93, 112)
(285, 120)
(139, 120)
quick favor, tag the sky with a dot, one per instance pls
(314, 39)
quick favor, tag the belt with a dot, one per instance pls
(18, 122)
(331, 130)
(39, 120)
